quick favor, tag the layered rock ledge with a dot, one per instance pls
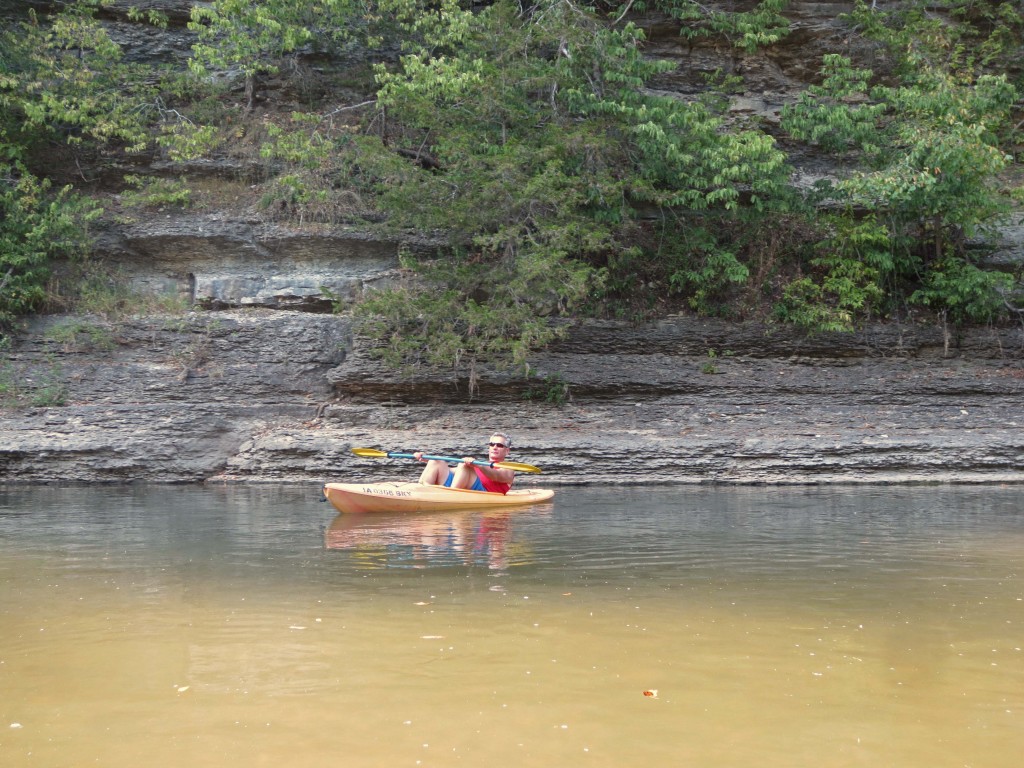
(255, 395)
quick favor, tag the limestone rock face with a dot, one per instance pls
(258, 396)
(218, 262)
(267, 385)
(165, 399)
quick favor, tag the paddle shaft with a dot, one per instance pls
(492, 464)
(515, 466)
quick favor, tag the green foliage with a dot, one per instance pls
(290, 189)
(156, 192)
(945, 156)
(707, 279)
(427, 323)
(186, 140)
(40, 388)
(95, 291)
(75, 335)
(301, 144)
(307, 145)
(957, 36)
(151, 16)
(805, 303)
(761, 26)
(246, 35)
(678, 152)
(37, 225)
(254, 37)
(52, 391)
(551, 388)
(67, 80)
(87, 286)
(962, 293)
(299, 195)
(337, 302)
(929, 152)
(8, 374)
(836, 115)
(541, 149)
(530, 136)
(849, 279)
(709, 367)
(62, 81)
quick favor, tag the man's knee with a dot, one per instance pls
(434, 473)
(464, 476)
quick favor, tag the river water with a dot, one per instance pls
(710, 627)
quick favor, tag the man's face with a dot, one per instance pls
(497, 448)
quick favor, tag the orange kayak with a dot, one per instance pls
(357, 498)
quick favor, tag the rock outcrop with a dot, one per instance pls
(253, 389)
(280, 396)
(217, 261)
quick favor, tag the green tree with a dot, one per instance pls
(539, 152)
(254, 38)
(929, 153)
(36, 226)
(763, 25)
(63, 83)
(65, 80)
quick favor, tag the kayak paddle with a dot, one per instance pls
(373, 453)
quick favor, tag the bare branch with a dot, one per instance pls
(350, 106)
(624, 12)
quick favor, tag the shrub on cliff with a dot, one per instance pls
(929, 147)
(37, 225)
(63, 83)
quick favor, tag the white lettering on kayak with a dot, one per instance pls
(386, 492)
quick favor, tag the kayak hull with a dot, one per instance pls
(361, 498)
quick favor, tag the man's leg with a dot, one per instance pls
(435, 473)
(465, 476)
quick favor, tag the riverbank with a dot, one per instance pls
(275, 396)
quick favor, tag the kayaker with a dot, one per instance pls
(475, 477)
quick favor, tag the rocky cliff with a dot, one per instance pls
(264, 383)
(264, 395)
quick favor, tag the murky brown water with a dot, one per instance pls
(250, 627)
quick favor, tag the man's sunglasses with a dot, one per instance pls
(496, 445)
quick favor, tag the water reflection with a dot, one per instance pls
(442, 539)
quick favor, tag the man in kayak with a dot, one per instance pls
(475, 477)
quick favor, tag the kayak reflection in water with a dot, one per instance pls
(472, 476)
(428, 540)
